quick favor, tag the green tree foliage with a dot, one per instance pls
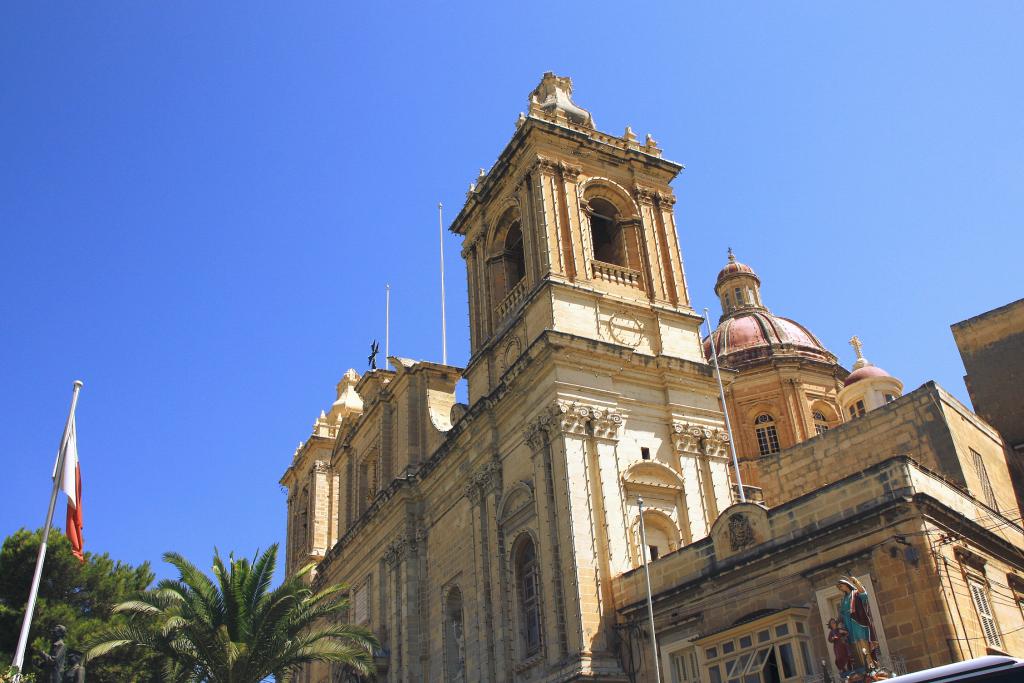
(233, 628)
(79, 596)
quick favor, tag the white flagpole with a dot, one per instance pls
(650, 600)
(725, 410)
(444, 331)
(58, 471)
(387, 324)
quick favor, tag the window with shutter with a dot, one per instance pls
(988, 621)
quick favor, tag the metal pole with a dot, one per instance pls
(650, 601)
(30, 608)
(444, 332)
(725, 410)
(387, 324)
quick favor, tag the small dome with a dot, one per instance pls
(864, 372)
(734, 267)
(757, 334)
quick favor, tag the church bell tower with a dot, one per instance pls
(572, 230)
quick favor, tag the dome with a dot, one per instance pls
(757, 334)
(865, 372)
(734, 267)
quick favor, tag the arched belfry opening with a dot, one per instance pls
(513, 257)
(606, 233)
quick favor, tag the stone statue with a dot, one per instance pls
(855, 618)
(374, 350)
(54, 661)
(75, 672)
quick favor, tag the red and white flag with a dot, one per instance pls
(71, 484)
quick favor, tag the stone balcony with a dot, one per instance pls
(511, 300)
(621, 275)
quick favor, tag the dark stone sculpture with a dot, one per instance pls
(54, 661)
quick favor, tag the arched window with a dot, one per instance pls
(660, 534)
(527, 576)
(767, 435)
(820, 423)
(606, 233)
(454, 638)
(513, 256)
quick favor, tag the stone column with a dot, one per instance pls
(698, 491)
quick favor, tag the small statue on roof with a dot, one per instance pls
(374, 350)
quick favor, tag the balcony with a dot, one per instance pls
(621, 275)
(511, 300)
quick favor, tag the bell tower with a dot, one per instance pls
(572, 230)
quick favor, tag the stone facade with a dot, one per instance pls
(501, 540)
(992, 348)
(480, 541)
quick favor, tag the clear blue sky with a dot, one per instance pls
(200, 204)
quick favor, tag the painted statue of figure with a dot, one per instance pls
(53, 662)
(855, 615)
(837, 635)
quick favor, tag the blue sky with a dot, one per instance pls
(200, 204)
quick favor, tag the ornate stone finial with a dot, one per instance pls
(521, 120)
(650, 141)
(481, 176)
(732, 256)
(857, 345)
(629, 136)
(553, 98)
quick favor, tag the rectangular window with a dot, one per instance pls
(820, 429)
(986, 485)
(361, 605)
(805, 652)
(714, 675)
(655, 554)
(645, 453)
(739, 295)
(786, 659)
(767, 440)
(979, 594)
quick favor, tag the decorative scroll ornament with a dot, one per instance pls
(686, 438)
(487, 479)
(575, 419)
(697, 439)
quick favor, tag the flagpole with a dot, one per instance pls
(387, 324)
(725, 409)
(444, 332)
(58, 471)
(650, 600)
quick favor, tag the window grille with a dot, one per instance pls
(986, 485)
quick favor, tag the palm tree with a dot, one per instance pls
(234, 629)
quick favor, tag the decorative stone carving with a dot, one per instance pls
(564, 418)
(716, 443)
(486, 479)
(626, 329)
(321, 466)
(604, 423)
(404, 546)
(686, 438)
(513, 347)
(698, 439)
(645, 195)
(741, 533)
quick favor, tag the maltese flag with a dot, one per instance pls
(71, 484)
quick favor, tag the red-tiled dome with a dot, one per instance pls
(757, 334)
(864, 373)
